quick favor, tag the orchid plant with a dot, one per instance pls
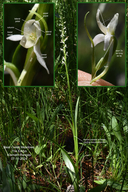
(110, 44)
(31, 40)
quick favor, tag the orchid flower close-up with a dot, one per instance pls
(29, 53)
(110, 44)
(31, 38)
(101, 42)
(108, 31)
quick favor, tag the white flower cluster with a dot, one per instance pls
(63, 40)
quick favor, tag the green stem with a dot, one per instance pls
(70, 97)
(101, 75)
(74, 124)
(26, 75)
(104, 61)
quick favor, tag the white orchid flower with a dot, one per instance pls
(31, 38)
(108, 31)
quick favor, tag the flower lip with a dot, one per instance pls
(32, 32)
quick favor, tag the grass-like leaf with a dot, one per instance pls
(71, 169)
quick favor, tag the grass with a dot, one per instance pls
(54, 124)
(44, 127)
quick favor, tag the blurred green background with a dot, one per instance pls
(116, 73)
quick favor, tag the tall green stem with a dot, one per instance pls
(74, 123)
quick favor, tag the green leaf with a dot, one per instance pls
(71, 168)
(75, 134)
(117, 185)
(33, 117)
(116, 129)
(24, 181)
(39, 166)
(43, 155)
(19, 185)
(37, 149)
(54, 114)
(100, 181)
(51, 131)
(6, 186)
(1, 167)
(112, 183)
(107, 134)
(125, 126)
(99, 188)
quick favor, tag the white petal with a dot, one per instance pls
(15, 37)
(101, 26)
(113, 23)
(26, 43)
(32, 32)
(107, 40)
(102, 7)
(98, 39)
(4, 67)
(39, 57)
(23, 41)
